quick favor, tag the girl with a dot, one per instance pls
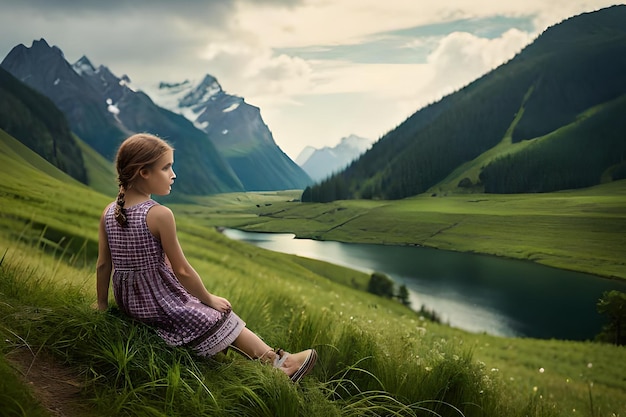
(152, 280)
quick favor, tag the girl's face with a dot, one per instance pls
(160, 177)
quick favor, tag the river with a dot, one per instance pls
(477, 293)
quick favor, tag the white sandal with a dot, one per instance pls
(280, 358)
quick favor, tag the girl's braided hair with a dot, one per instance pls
(137, 152)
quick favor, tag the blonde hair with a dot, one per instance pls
(137, 152)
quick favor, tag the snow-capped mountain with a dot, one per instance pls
(237, 130)
(186, 98)
(223, 140)
(321, 163)
(102, 110)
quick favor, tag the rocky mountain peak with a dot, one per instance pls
(202, 93)
(84, 66)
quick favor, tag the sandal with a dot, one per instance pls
(280, 358)
(306, 367)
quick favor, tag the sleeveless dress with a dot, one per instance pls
(146, 289)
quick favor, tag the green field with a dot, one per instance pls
(376, 356)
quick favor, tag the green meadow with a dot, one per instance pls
(377, 357)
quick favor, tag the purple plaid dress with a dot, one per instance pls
(146, 289)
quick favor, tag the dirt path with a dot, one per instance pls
(57, 387)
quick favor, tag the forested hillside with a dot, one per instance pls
(36, 122)
(549, 119)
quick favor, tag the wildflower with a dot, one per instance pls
(541, 370)
(534, 389)
(589, 365)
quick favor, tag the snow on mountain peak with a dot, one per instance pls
(83, 66)
(201, 93)
(232, 107)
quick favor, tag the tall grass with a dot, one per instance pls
(374, 361)
(130, 371)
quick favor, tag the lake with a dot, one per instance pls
(477, 293)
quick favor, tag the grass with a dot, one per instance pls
(376, 356)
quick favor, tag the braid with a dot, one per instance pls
(120, 212)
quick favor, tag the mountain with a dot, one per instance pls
(237, 130)
(305, 154)
(319, 164)
(45, 69)
(35, 121)
(551, 118)
(102, 110)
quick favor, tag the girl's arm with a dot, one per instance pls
(104, 266)
(162, 224)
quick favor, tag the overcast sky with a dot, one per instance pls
(319, 70)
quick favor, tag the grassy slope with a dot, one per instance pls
(269, 288)
(472, 169)
(100, 171)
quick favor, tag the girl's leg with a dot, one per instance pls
(254, 347)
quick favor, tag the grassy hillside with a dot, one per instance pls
(101, 175)
(36, 122)
(376, 356)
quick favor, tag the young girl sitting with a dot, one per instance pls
(152, 280)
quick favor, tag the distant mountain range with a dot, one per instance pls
(102, 109)
(321, 163)
(552, 118)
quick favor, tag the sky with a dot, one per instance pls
(319, 70)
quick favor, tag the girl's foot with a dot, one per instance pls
(296, 365)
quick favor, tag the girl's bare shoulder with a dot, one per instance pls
(160, 216)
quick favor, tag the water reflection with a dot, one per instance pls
(474, 292)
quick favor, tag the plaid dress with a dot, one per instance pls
(146, 289)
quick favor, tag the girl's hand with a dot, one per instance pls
(220, 304)
(97, 305)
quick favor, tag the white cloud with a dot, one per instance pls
(254, 71)
(462, 57)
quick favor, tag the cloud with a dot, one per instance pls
(334, 67)
(462, 57)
